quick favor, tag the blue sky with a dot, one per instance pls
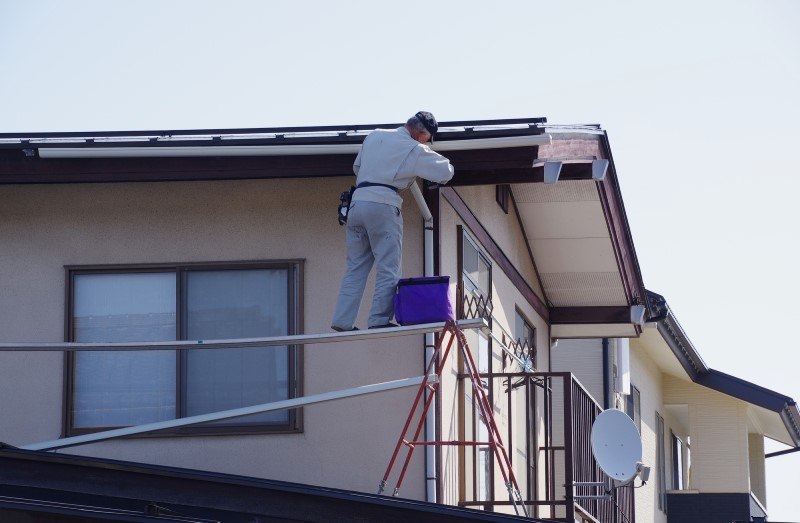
(700, 101)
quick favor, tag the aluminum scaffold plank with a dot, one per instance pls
(243, 343)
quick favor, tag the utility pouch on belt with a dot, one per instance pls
(347, 196)
(344, 205)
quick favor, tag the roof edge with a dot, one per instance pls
(697, 370)
(62, 469)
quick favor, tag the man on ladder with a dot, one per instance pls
(390, 160)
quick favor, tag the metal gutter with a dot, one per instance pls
(282, 149)
(225, 138)
(477, 125)
(676, 338)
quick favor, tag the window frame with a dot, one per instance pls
(295, 273)
(502, 196)
(661, 463)
(633, 407)
(677, 445)
(462, 238)
(519, 317)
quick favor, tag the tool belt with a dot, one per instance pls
(347, 196)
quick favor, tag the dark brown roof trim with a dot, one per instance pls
(590, 315)
(497, 174)
(18, 169)
(620, 231)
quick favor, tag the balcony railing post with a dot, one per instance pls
(568, 448)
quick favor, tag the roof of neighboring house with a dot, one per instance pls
(777, 409)
(74, 486)
(577, 230)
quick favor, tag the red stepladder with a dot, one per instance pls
(453, 334)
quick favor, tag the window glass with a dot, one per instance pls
(677, 463)
(525, 335)
(237, 304)
(524, 332)
(123, 387)
(661, 465)
(634, 407)
(476, 268)
(484, 468)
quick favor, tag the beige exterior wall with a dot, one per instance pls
(504, 228)
(584, 359)
(758, 478)
(646, 376)
(718, 453)
(506, 299)
(345, 444)
(43, 228)
(719, 437)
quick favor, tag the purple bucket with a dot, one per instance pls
(423, 300)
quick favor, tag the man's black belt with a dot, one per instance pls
(373, 184)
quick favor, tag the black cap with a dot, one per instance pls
(428, 121)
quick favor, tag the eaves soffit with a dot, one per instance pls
(579, 234)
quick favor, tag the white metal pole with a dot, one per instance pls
(239, 343)
(228, 414)
(430, 417)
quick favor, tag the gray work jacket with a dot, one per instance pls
(393, 157)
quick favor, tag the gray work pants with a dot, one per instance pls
(374, 236)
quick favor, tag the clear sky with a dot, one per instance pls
(699, 98)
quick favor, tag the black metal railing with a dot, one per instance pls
(559, 418)
(559, 451)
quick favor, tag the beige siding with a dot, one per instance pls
(584, 359)
(646, 376)
(718, 428)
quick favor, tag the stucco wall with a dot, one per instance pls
(505, 229)
(345, 444)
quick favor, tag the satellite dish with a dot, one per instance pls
(616, 445)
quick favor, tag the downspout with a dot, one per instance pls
(430, 417)
(606, 375)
